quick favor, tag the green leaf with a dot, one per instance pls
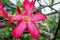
(13, 11)
(19, 4)
(52, 1)
(6, 2)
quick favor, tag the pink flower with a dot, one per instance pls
(3, 13)
(26, 20)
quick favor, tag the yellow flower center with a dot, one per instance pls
(26, 19)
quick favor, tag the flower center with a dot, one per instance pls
(26, 19)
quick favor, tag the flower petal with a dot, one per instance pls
(38, 17)
(15, 18)
(28, 6)
(18, 30)
(18, 10)
(32, 3)
(5, 14)
(0, 4)
(32, 28)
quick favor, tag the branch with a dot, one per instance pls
(54, 9)
(52, 13)
(43, 6)
(39, 3)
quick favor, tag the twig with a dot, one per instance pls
(52, 13)
(43, 6)
(51, 5)
(54, 9)
(39, 3)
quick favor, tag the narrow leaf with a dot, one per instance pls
(52, 1)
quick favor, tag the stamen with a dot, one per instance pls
(26, 19)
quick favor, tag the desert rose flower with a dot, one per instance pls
(26, 20)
